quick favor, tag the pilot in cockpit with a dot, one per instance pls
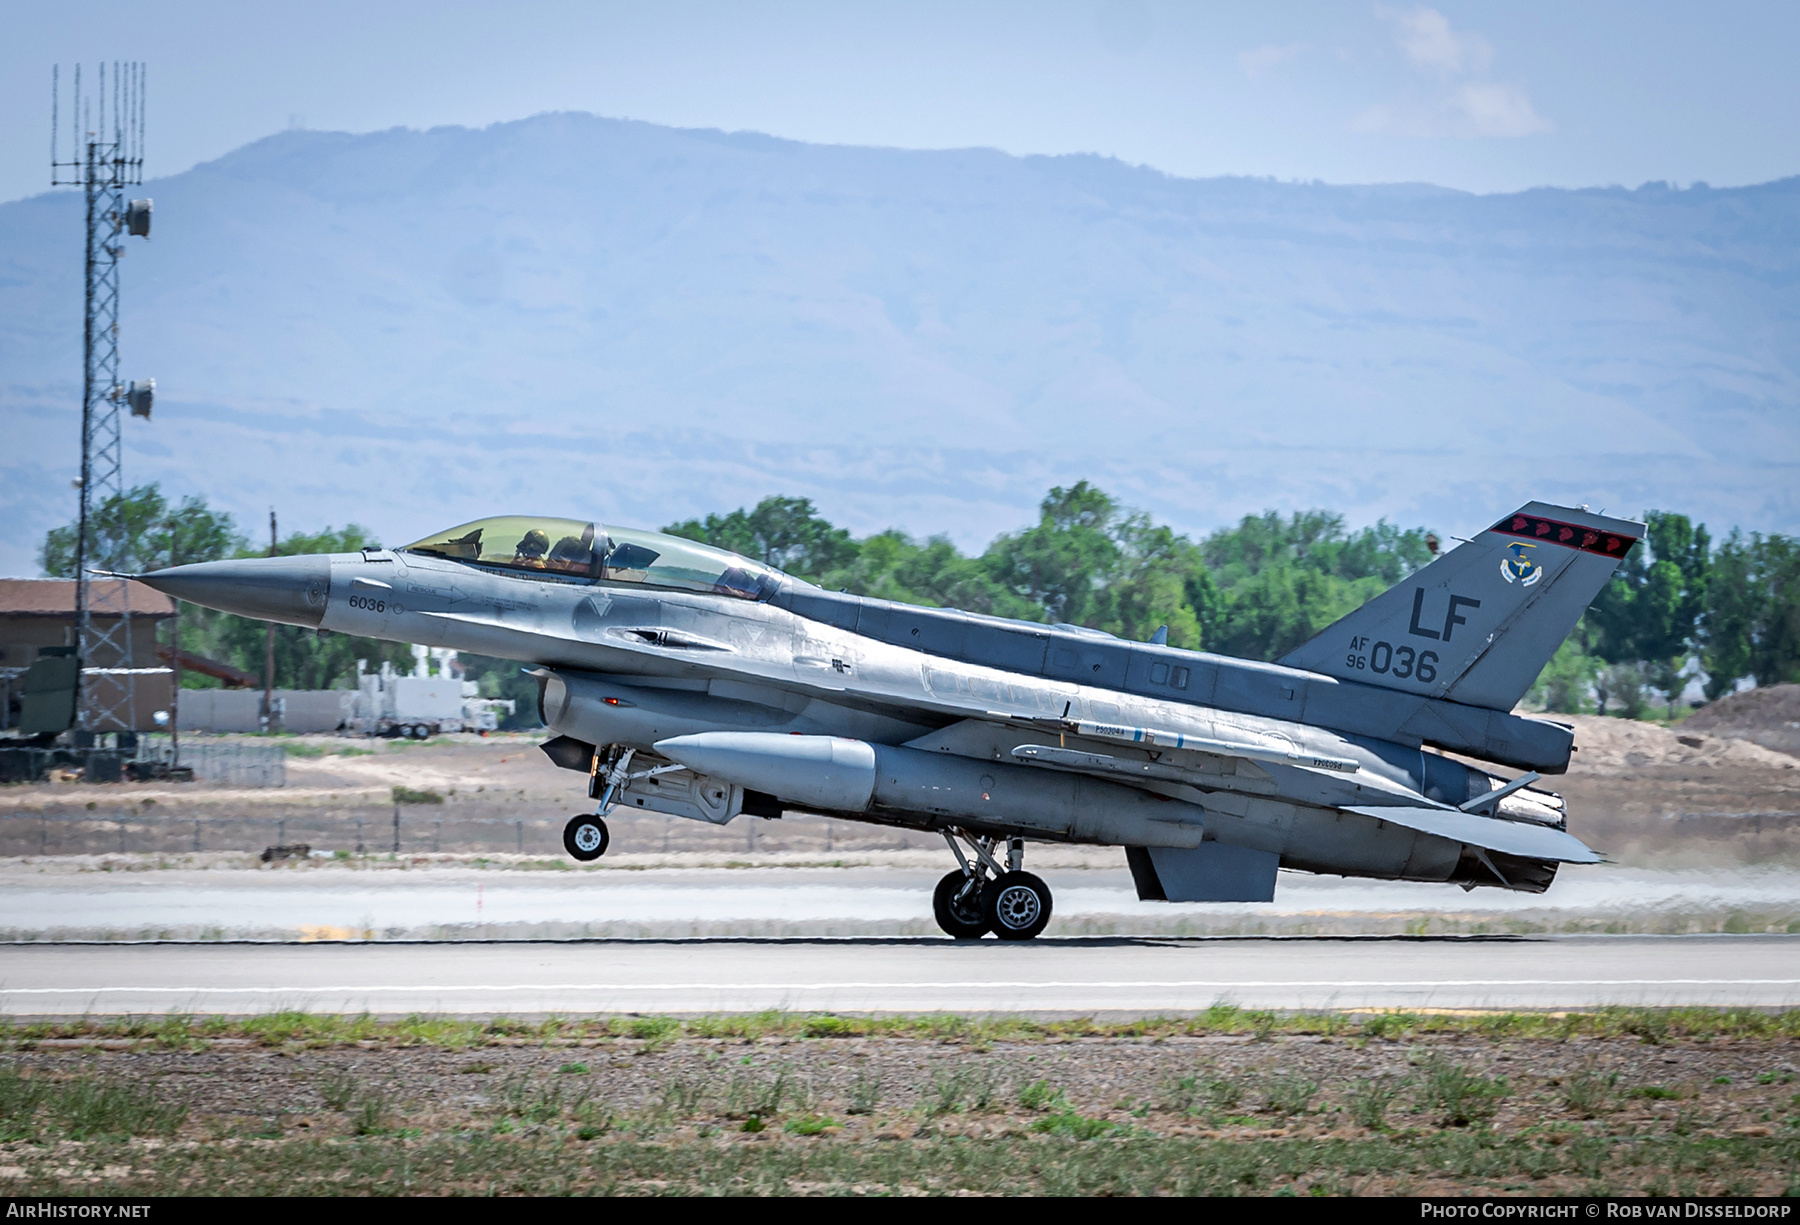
(531, 549)
(573, 555)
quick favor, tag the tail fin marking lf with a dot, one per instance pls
(1477, 625)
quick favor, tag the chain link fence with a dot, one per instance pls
(372, 833)
(235, 763)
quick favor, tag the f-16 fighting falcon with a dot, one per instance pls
(685, 680)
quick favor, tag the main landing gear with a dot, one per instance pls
(982, 898)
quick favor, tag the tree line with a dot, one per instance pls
(1681, 610)
(1680, 606)
(1255, 590)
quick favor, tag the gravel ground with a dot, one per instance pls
(1288, 1112)
(1642, 793)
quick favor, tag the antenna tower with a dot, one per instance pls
(106, 156)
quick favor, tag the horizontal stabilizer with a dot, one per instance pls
(1489, 833)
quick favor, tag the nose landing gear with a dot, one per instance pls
(585, 837)
(609, 775)
(982, 898)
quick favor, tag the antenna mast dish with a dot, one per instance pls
(106, 156)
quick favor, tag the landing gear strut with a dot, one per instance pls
(983, 897)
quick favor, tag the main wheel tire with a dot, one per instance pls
(959, 912)
(585, 837)
(1016, 905)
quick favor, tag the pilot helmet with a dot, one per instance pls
(535, 544)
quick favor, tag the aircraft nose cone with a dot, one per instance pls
(291, 590)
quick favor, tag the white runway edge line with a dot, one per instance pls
(293, 989)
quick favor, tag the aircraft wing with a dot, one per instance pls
(1520, 838)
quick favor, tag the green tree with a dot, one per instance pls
(1159, 579)
(129, 533)
(1649, 614)
(1683, 553)
(1775, 658)
(1279, 608)
(1734, 610)
(786, 533)
(1316, 540)
(1621, 687)
(1281, 581)
(1564, 684)
(891, 565)
(1258, 589)
(1090, 562)
(1063, 564)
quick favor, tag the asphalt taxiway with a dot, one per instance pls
(1117, 976)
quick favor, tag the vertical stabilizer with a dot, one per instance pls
(1477, 625)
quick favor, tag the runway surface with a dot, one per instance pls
(448, 902)
(1103, 976)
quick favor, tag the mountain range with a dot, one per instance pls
(617, 320)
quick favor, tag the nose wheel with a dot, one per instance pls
(984, 897)
(585, 837)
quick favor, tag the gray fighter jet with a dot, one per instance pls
(684, 680)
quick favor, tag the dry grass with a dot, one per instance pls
(1226, 1102)
(324, 1030)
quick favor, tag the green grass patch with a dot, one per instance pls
(1073, 1126)
(81, 1107)
(1039, 1095)
(1460, 1097)
(314, 1030)
(1370, 1097)
(618, 1162)
(323, 750)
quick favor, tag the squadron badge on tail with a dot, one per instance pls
(1518, 566)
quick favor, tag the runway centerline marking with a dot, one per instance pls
(985, 984)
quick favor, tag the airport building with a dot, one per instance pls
(37, 621)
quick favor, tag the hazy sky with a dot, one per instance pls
(1487, 97)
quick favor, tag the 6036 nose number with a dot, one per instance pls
(368, 605)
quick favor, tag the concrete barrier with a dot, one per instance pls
(240, 710)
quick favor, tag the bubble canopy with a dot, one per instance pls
(571, 549)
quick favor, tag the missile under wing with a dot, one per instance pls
(688, 681)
